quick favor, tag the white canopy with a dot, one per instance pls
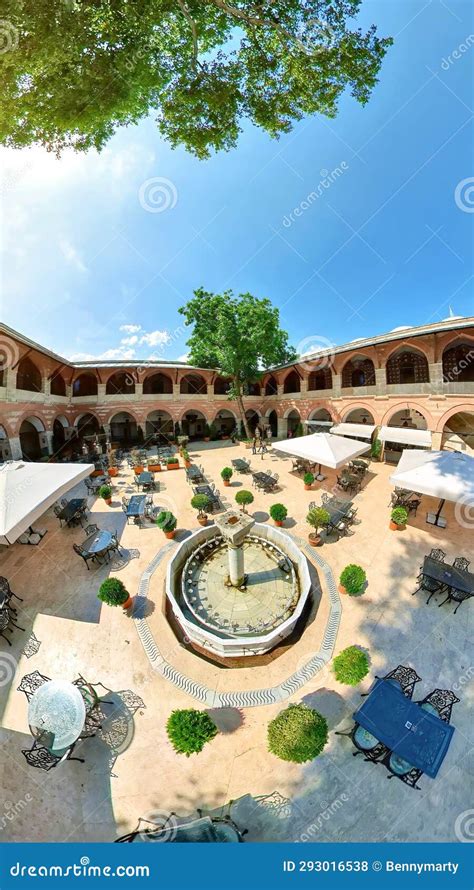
(405, 436)
(448, 475)
(322, 448)
(28, 489)
(363, 430)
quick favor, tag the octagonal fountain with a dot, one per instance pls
(237, 587)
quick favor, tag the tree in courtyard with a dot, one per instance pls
(189, 730)
(73, 72)
(238, 335)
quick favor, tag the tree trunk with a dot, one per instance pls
(240, 403)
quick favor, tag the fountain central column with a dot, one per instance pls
(234, 528)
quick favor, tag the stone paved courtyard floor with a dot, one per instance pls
(335, 797)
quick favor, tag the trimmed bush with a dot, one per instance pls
(399, 515)
(189, 730)
(113, 592)
(227, 474)
(297, 734)
(351, 666)
(308, 478)
(200, 502)
(375, 449)
(353, 579)
(317, 518)
(278, 512)
(105, 492)
(243, 498)
(172, 459)
(166, 521)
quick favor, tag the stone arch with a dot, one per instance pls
(253, 419)
(271, 386)
(404, 405)
(293, 421)
(62, 419)
(458, 432)
(358, 371)
(408, 417)
(464, 407)
(120, 383)
(124, 428)
(57, 384)
(321, 414)
(458, 361)
(407, 365)
(159, 426)
(192, 384)
(193, 423)
(320, 378)
(225, 421)
(292, 382)
(85, 385)
(80, 419)
(221, 386)
(359, 414)
(252, 389)
(28, 376)
(157, 383)
(30, 437)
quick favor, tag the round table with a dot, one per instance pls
(56, 713)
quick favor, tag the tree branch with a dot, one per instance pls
(184, 9)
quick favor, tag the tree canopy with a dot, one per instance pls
(237, 335)
(73, 71)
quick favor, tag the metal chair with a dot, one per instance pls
(410, 778)
(456, 596)
(405, 676)
(114, 545)
(442, 700)
(42, 758)
(30, 683)
(57, 510)
(461, 563)
(85, 556)
(91, 529)
(374, 755)
(7, 591)
(427, 583)
(6, 623)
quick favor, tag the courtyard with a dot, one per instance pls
(148, 669)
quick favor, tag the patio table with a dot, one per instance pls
(98, 542)
(145, 478)
(71, 508)
(207, 490)
(362, 464)
(240, 465)
(56, 715)
(264, 480)
(136, 506)
(416, 735)
(337, 511)
(194, 473)
(460, 579)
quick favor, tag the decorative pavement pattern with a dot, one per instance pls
(250, 698)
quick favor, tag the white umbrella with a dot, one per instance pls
(448, 475)
(323, 449)
(28, 489)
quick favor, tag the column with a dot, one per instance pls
(380, 382)
(336, 385)
(101, 392)
(282, 428)
(15, 448)
(10, 384)
(46, 442)
(138, 390)
(436, 439)
(176, 392)
(436, 377)
(236, 564)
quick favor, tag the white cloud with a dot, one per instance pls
(183, 358)
(130, 341)
(156, 338)
(70, 253)
(120, 352)
(130, 328)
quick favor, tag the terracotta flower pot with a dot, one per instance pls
(170, 535)
(113, 471)
(187, 464)
(107, 501)
(278, 522)
(342, 589)
(315, 540)
(126, 605)
(397, 528)
(154, 468)
(138, 470)
(174, 466)
(202, 520)
(226, 482)
(307, 487)
(97, 473)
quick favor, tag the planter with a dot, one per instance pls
(138, 470)
(97, 473)
(315, 540)
(278, 522)
(342, 589)
(202, 520)
(187, 464)
(107, 501)
(113, 471)
(170, 535)
(174, 466)
(307, 487)
(395, 527)
(126, 605)
(154, 468)
(226, 482)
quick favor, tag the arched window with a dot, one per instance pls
(121, 383)
(28, 376)
(321, 379)
(292, 382)
(58, 385)
(271, 387)
(407, 367)
(85, 385)
(157, 384)
(193, 384)
(458, 363)
(252, 389)
(358, 372)
(221, 386)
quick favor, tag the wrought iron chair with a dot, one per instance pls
(405, 676)
(114, 545)
(443, 700)
(6, 590)
(57, 510)
(91, 529)
(430, 584)
(6, 623)
(461, 563)
(373, 755)
(30, 683)
(92, 701)
(410, 778)
(456, 596)
(87, 557)
(41, 758)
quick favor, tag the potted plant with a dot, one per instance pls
(207, 432)
(154, 465)
(167, 522)
(201, 502)
(113, 592)
(352, 580)
(317, 518)
(351, 666)
(226, 475)
(297, 734)
(278, 512)
(113, 469)
(172, 462)
(186, 458)
(189, 730)
(376, 449)
(105, 492)
(243, 498)
(398, 519)
(308, 480)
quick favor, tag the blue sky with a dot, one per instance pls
(89, 271)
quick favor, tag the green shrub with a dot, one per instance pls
(278, 512)
(308, 478)
(351, 666)
(317, 518)
(166, 521)
(353, 579)
(200, 502)
(105, 492)
(112, 591)
(399, 515)
(172, 459)
(299, 431)
(207, 430)
(213, 432)
(227, 474)
(185, 454)
(376, 448)
(243, 498)
(297, 734)
(189, 730)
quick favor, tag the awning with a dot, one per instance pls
(323, 449)
(28, 489)
(448, 475)
(318, 422)
(362, 430)
(405, 436)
